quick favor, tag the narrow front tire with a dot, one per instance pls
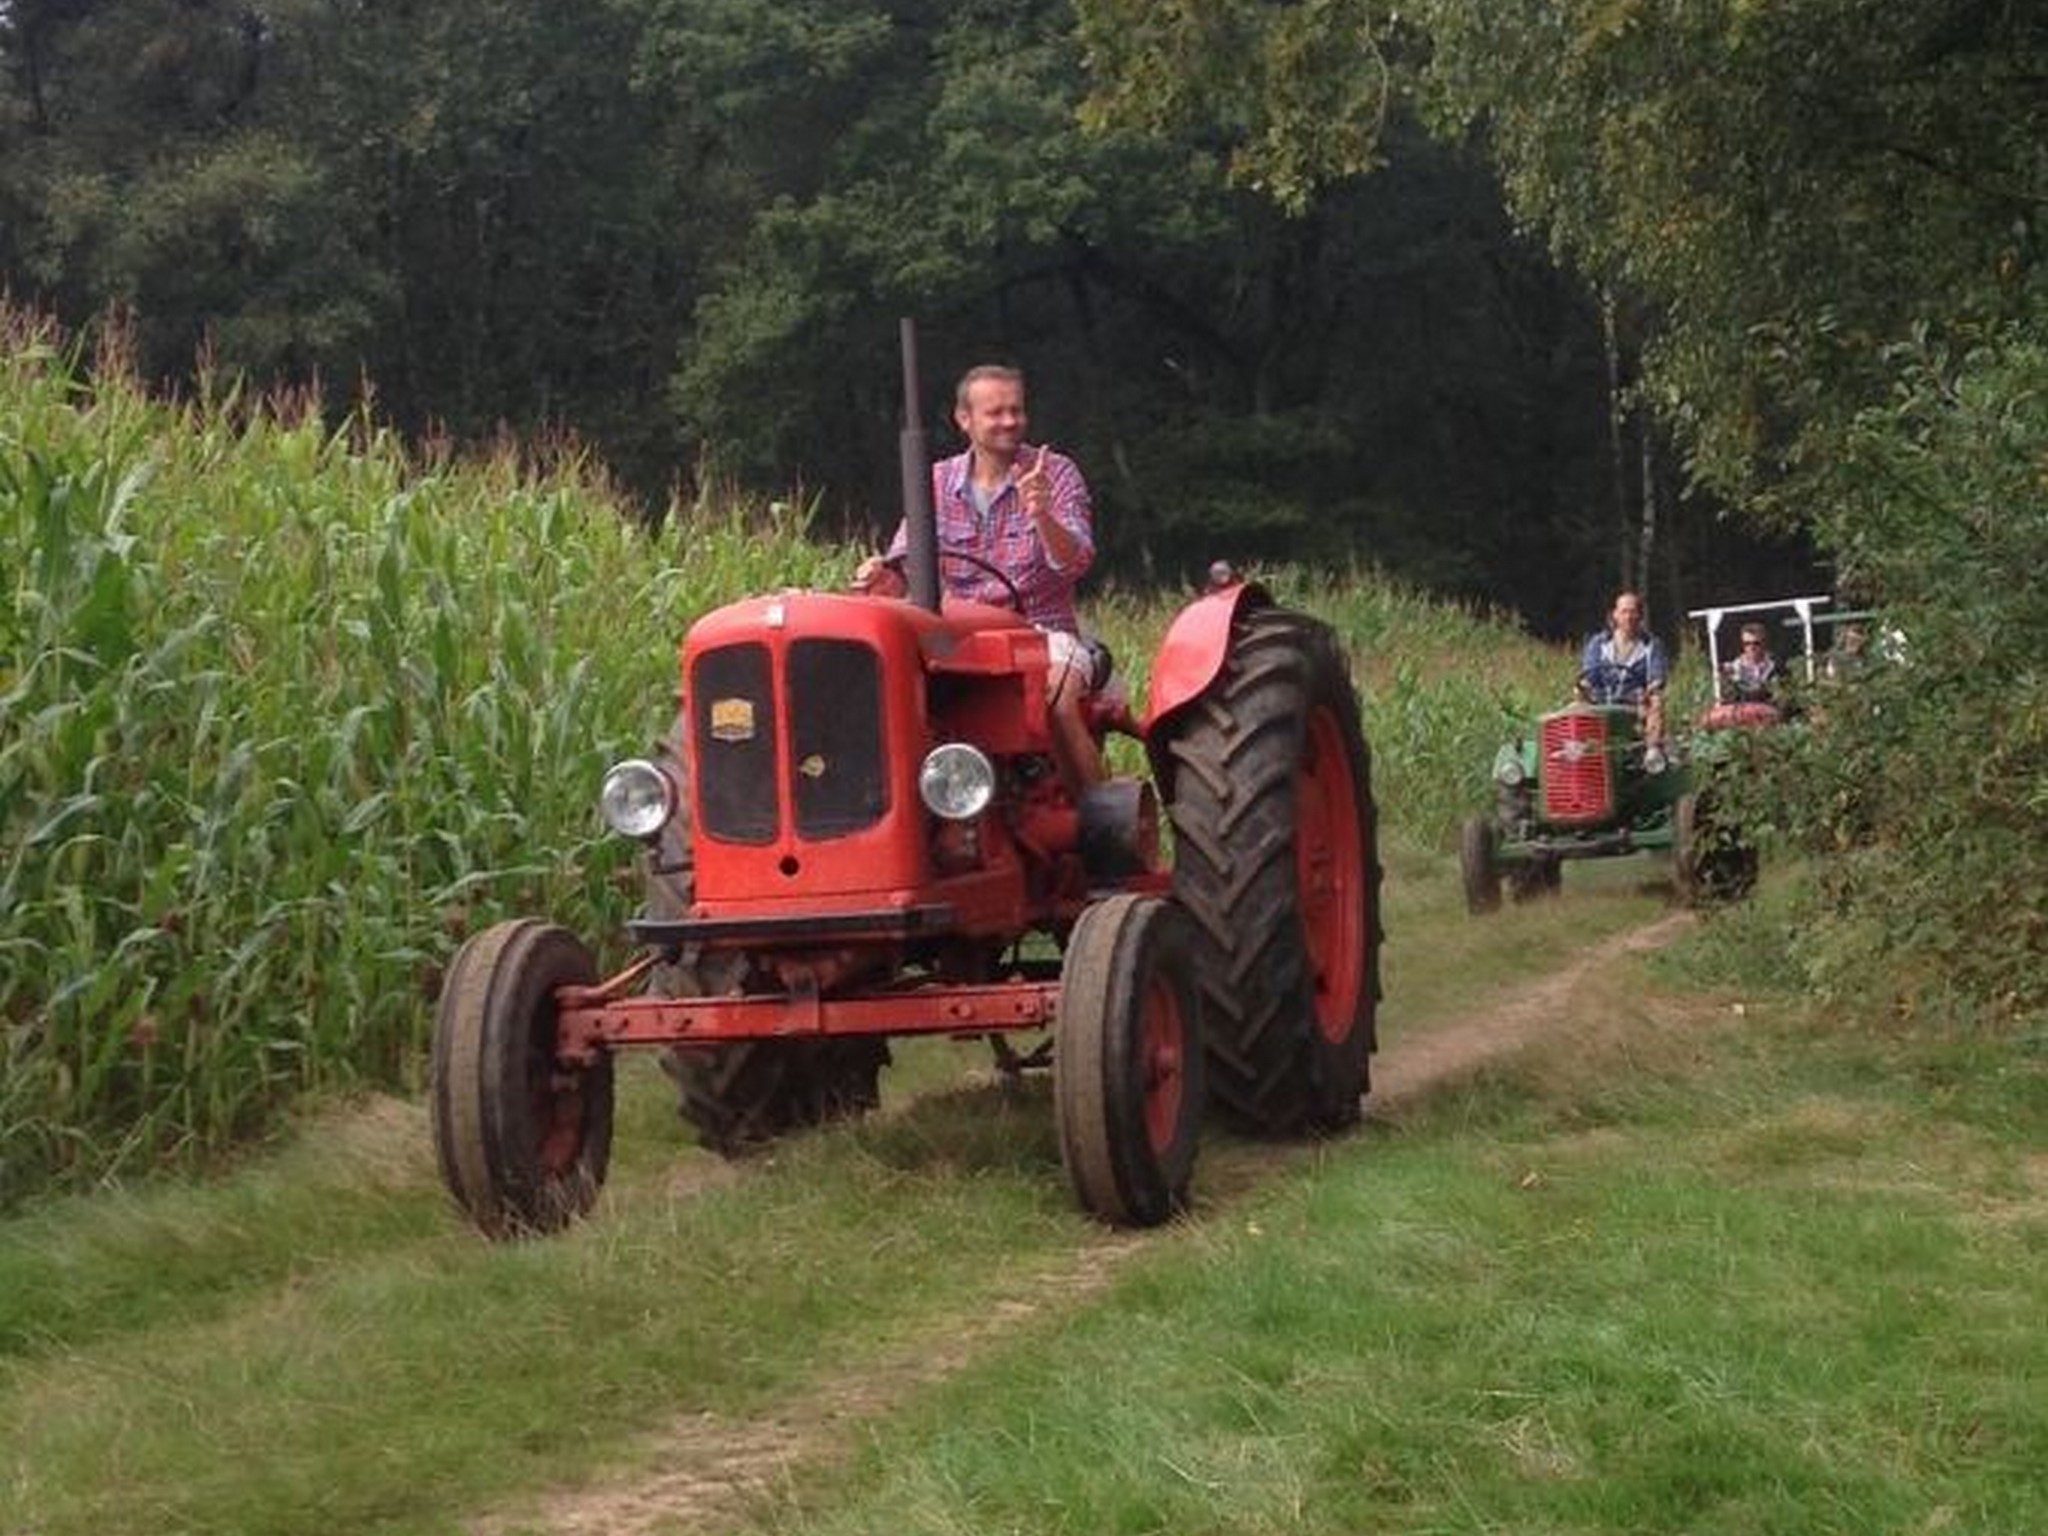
(1127, 1060)
(522, 1139)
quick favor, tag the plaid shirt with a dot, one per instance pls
(1006, 538)
(1608, 679)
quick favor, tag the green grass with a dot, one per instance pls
(1421, 1343)
(1756, 1280)
(1669, 1268)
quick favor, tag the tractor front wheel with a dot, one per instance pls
(1276, 857)
(1127, 1060)
(1476, 862)
(522, 1140)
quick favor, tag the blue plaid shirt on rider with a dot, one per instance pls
(1614, 672)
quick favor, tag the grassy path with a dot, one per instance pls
(1601, 1244)
(316, 1331)
(713, 1469)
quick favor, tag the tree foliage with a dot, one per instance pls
(683, 229)
(1830, 214)
(1255, 80)
(325, 188)
(1926, 791)
(1795, 185)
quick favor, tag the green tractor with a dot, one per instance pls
(1583, 784)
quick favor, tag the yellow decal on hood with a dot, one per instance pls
(732, 719)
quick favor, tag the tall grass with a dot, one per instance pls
(282, 715)
(286, 711)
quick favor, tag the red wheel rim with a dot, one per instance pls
(1162, 1063)
(1329, 859)
(555, 1098)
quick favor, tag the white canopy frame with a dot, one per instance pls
(1802, 608)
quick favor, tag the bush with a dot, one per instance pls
(1923, 789)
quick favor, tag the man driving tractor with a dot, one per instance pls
(1016, 522)
(1625, 664)
(1751, 676)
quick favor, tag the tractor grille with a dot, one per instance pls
(1577, 786)
(733, 707)
(835, 714)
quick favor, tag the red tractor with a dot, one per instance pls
(856, 830)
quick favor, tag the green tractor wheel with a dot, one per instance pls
(1478, 865)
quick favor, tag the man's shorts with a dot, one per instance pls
(1070, 665)
(1074, 662)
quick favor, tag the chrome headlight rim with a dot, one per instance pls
(1507, 768)
(956, 781)
(636, 799)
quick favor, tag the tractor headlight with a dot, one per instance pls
(957, 781)
(637, 798)
(1507, 767)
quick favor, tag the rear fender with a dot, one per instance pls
(1191, 656)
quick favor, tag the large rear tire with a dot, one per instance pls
(744, 1095)
(1127, 1060)
(523, 1142)
(1276, 858)
(739, 1096)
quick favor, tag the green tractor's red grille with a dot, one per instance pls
(732, 694)
(1578, 785)
(835, 724)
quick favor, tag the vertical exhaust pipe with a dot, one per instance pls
(920, 517)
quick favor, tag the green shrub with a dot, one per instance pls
(1922, 790)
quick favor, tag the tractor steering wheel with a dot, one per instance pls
(987, 568)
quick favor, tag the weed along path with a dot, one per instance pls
(718, 1472)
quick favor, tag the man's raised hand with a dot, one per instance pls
(1034, 487)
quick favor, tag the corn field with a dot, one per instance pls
(282, 716)
(285, 712)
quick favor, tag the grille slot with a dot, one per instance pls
(732, 701)
(838, 781)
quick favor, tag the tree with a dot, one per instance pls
(1383, 369)
(475, 205)
(1832, 213)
